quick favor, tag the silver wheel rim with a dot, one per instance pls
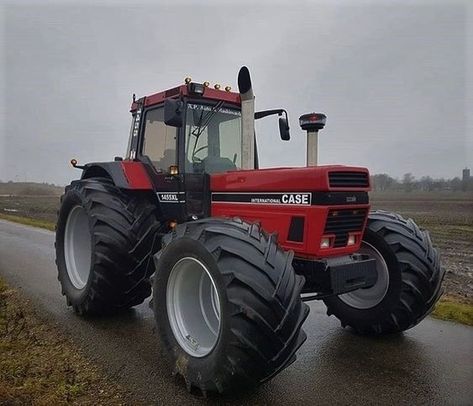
(193, 307)
(370, 297)
(77, 247)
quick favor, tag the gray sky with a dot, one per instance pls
(394, 78)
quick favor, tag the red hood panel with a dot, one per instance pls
(282, 179)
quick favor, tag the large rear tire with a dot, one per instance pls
(104, 238)
(409, 279)
(227, 304)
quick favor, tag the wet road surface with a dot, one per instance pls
(430, 364)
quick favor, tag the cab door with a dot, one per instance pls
(159, 151)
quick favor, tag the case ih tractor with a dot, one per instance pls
(235, 250)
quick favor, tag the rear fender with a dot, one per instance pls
(124, 174)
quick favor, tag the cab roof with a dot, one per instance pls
(184, 90)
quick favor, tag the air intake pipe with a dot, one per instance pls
(312, 123)
(247, 119)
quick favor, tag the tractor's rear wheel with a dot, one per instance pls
(104, 238)
(227, 304)
(409, 278)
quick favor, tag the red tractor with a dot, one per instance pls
(235, 250)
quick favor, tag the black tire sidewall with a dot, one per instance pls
(208, 366)
(73, 197)
(367, 317)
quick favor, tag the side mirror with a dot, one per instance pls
(284, 129)
(173, 113)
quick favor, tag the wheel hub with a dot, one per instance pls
(369, 297)
(193, 307)
(77, 247)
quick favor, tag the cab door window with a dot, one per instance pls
(159, 141)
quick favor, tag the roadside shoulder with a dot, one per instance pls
(39, 365)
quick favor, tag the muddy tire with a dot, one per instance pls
(227, 305)
(409, 279)
(103, 241)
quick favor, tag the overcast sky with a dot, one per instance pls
(394, 78)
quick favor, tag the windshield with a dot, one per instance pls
(213, 138)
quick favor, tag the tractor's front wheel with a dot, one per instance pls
(227, 304)
(104, 239)
(408, 283)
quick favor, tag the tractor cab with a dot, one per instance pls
(197, 130)
(194, 129)
(183, 135)
(206, 139)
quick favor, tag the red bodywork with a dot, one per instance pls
(277, 217)
(136, 175)
(273, 217)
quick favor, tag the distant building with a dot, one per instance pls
(466, 175)
(466, 179)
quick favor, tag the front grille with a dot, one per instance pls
(342, 222)
(348, 179)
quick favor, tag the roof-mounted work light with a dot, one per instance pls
(196, 88)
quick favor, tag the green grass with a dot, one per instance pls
(35, 207)
(449, 308)
(40, 366)
(48, 225)
(29, 188)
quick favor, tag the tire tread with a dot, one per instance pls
(123, 227)
(421, 274)
(267, 322)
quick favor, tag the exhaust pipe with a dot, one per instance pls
(247, 119)
(312, 123)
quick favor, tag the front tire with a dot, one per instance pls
(409, 279)
(227, 304)
(104, 238)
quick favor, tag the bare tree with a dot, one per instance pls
(382, 182)
(426, 183)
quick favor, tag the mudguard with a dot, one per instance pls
(124, 174)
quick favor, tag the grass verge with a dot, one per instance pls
(451, 308)
(39, 366)
(48, 225)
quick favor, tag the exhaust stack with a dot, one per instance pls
(247, 118)
(312, 123)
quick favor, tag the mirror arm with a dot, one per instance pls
(266, 113)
